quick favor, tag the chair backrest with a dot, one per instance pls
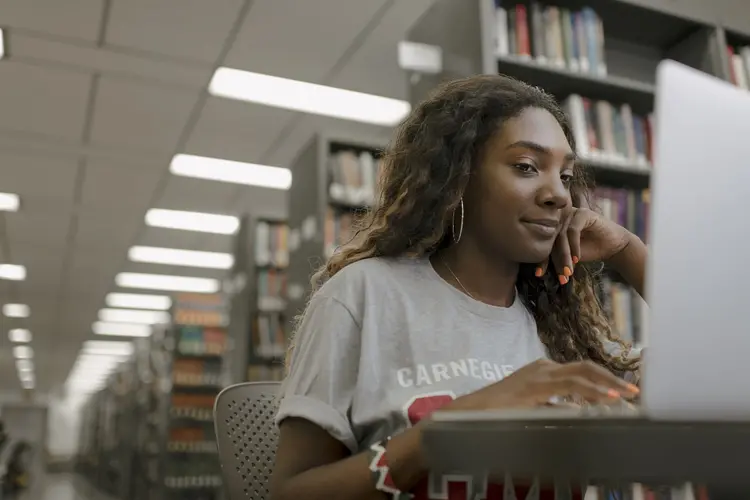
(246, 437)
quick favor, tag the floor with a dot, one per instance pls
(62, 487)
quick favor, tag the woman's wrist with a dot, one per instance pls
(406, 459)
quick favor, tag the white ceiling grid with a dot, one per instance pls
(96, 96)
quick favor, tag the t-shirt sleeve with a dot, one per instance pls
(322, 375)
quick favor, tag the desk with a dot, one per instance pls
(588, 450)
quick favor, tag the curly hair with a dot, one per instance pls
(424, 173)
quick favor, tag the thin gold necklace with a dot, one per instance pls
(456, 277)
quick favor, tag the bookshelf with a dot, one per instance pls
(181, 371)
(738, 58)
(599, 60)
(335, 179)
(258, 304)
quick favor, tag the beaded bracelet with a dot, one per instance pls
(381, 473)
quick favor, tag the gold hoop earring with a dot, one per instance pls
(457, 238)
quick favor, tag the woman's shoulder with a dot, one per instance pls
(373, 274)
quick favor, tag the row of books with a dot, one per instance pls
(271, 244)
(201, 341)
(187, 434)
(610, 133)
(739, 66)
(261, 373)
(627, 207)
(626, 310)
(192, 446)
(186, 482)
(193, 413)
(199, 309)
(268, 339)
(271, 283)
(196, 372)
(185, 402)
(353, 177)
(337, 229)
(550, 35)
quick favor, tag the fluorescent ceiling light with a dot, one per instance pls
(24, 365)
(236, 172)
(16, 310)
(107, 348)
(176, 257)
(121, 329)
(139, 301)
(166, 282)
(192, 221)
(23, 352)
(27, 384)
(26, 376)
(2, 43)
(133, 316)
(307, 97)
(12, 272)
(19, 335)
(9, 202)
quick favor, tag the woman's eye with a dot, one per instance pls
(566, 178)
(526, 168)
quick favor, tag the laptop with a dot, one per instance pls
(698, 271)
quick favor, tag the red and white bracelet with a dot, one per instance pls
(381, 473)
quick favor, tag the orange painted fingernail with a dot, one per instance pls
(575, 260)
(567, 271)
(613, 394)
(633, 388)
(538, 273)
(563, 279)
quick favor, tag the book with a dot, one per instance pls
(610, 133)
(353, 177)
(271, 244)
(551, 35)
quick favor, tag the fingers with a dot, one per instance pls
(574, 385)
(597, 375)
(561, 256)
(577, 224)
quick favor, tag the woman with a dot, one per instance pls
(465, 290)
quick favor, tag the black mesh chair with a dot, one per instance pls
(247, 437)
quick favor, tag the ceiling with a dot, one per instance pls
(96, 96)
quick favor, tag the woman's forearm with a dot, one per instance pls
(352, 479)
(630, 263)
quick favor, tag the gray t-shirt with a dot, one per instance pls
(387, 341)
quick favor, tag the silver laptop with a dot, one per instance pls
(698, 274)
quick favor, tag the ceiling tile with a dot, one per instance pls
(43, 183)
(140, 116)
(119, 187)
(305, 45)
(71, 18)
(171, 238)
(48, 230)
(236, 130)
(97, 231)
(43, 100)
(140, 267)
(43, 268)
(184, 193)
(193, 29)
(374, 67)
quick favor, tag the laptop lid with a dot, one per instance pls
(698, 276)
